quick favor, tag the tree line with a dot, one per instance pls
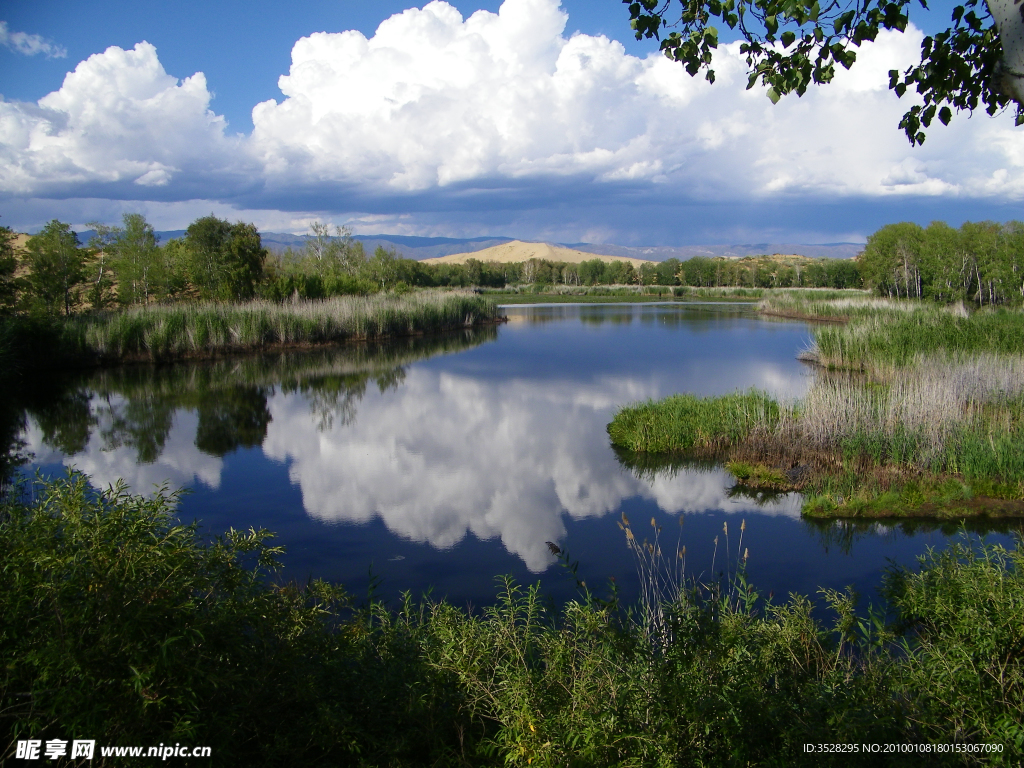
(980, 262)
(55, 274)
(124, 265)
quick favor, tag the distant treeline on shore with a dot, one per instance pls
(53, 273)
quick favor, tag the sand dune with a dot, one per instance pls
(517, 250)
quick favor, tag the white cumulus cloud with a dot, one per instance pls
(497, 106)
(119, 120)
(433, 100)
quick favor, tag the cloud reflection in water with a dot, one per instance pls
(445, 455)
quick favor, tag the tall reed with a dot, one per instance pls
(686, 423)
(161, 332)
(883, 334)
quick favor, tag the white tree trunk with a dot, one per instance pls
(1009, 18)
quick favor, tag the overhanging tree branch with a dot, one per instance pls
(790, 44)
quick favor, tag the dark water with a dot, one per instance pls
(439, 464)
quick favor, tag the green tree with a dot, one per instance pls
(950, 268)
(383, 267)
(667, 271)
(224, 260)
(57, 263)
(246, 255)
(891, 262)
(1012, 260)
(333, 254)
(647, 274)
(982, 240)
(174, 261)
(8, 267)
(134, 256)
(978, 61)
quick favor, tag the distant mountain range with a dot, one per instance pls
(411, 247)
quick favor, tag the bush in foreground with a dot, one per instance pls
(121, 625)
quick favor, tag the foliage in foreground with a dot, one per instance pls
(124, 625)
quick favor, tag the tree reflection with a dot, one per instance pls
(842, 534)
(65, 420)
(12, 445)
(142, 424)
(333, 399)
(135, 406)
(61, 412)
(232, 418)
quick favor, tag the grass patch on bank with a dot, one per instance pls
(177, 331)
(942, 439)
(690, 424)
(879, 343)
(122, 624)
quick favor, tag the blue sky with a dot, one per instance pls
(547, 121)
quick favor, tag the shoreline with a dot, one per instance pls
(225, 352)
(165, 334)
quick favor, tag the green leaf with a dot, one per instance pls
(787, 38)
(945, 115)
(773, 95)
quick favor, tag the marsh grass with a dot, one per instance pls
(879, 344)
(835, 305)
(202, 330)
(878, 335)
(714, 292)
(693, 425)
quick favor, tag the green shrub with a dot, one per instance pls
(687, 423)
(123, 626)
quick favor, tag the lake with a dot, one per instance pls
(440, 464)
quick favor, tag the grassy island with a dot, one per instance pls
(918, 411)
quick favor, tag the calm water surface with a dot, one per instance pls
(439, 464)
